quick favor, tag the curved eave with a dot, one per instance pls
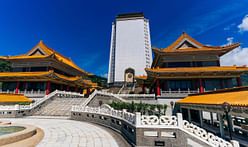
(196, 72)
(193, 51)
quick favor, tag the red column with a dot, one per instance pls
(239, 81)
(88, 92)
(17, 87)
(67, 88)
(158, 89)
(221, 84)
(143, 88)
(48, 87)
(200, 85)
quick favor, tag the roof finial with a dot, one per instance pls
(183, 32)
(41, 41)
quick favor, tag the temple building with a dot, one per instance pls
(45, 70)
(187, 65)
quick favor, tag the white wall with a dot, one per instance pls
(130, 47)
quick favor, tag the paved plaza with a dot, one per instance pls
(69, 133)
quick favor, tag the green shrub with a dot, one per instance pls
(25, 103)
(246, 121)
(131, 92)
(165, 107)
(141, 92)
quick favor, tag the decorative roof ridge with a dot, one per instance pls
(179, 39)
(232, 45)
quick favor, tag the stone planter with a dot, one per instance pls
(244, 127)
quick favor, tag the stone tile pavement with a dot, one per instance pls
(69, 133)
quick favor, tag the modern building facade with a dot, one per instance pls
(43, 69)
(130, 48)
(187, 65)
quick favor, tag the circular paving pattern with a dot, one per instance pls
(69, 133)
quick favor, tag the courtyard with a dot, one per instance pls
(69, 133)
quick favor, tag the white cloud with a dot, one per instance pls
(229, 40)
(244, 25)
(238, 56)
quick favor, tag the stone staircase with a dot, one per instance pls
(59, 107)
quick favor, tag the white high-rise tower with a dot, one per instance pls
(130, 46)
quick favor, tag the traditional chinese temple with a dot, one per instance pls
(43, 69)
(188, 65)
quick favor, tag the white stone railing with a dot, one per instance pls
(111, 95)
(162, 120)
(33, 93)
(180, 91)
(107, 110)
(37, 103)
(87, 101)
(207, 136)
(153, 121)
(9, 107)
(137, 95)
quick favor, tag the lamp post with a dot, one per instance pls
(227, 107)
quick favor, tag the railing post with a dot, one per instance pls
(235, 143)
(180, 120)
(17, 107)
(138, 118)
(123, 112)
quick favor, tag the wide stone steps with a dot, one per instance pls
(59, 107)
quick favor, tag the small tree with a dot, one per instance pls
(139, 108)
(165, 107)
(246, 121)
(159, 106)
(152, 108)
(131, 92)
(145, 106)
(132, 107)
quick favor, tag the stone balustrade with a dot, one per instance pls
(22, 110)
(147, 127)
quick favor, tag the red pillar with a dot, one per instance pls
(239, 81)
(158, 89)
(17, 87)
(200, 84)
(76, 89)
(88, 92)
(48, 87)
(67, 88)
(143, 88)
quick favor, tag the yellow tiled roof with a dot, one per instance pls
(48, 75)
(24, 74)
(198, 69)
(235, 98)
(13, 98)
(49, 52)
(202, 47)
(143, 77)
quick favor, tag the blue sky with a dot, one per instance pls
(82, 29)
